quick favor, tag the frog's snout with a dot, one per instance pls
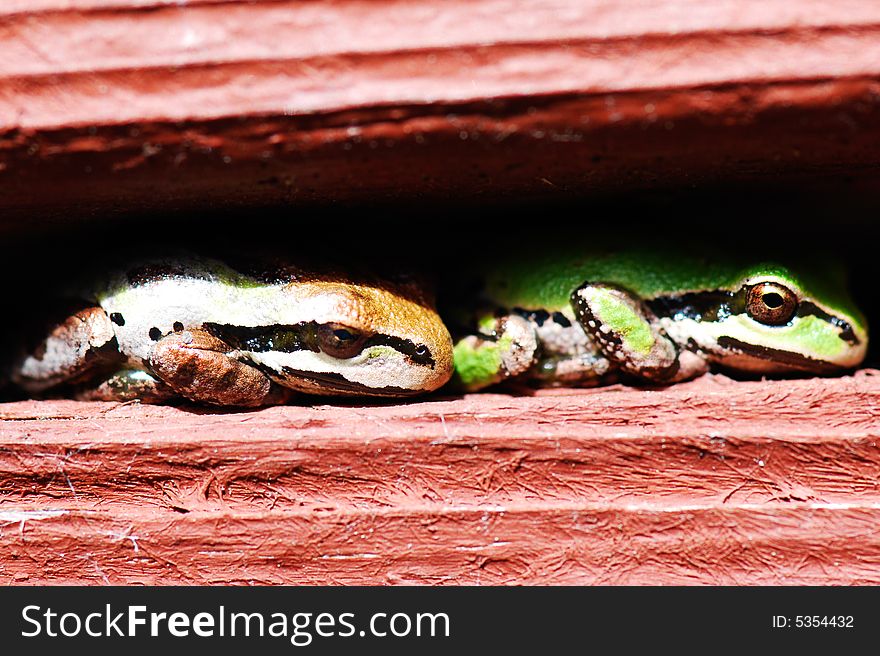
(442, 365)
(426, 356)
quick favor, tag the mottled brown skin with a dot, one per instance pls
(87, 334)
(196, 366)
(191, 364)
(371, 303)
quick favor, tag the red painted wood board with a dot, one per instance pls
(128, 106)
(142, 105)
(709, 482)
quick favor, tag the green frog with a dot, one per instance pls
(574, 316)
(197, 328)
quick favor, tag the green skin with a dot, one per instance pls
(656, 317)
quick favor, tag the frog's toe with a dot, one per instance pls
(575, 370)
(197, 366)
(129, 385)
(518, 344)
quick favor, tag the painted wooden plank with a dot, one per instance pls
(146, 104)
(713, 481)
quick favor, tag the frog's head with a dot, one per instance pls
(771, 320)
(337, 337)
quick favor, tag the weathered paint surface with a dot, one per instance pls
(154, 104)
(713, 481)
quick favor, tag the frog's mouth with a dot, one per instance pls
(317, 382)
(787, 360)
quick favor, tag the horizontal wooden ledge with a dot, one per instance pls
(576, 544)
(134, 34)
(125, 65)
(713, 440)
(142, 106)
(685, 12)
(825, 131)
(406, 68)
(145, 89)
(32, 7)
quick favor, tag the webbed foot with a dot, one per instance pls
(129, 385)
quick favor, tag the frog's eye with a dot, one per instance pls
(771, 303)
(340, 341)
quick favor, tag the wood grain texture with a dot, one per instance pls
(713, 481)
(149, 104)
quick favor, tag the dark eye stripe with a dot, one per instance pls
(417, 353)
(700, 306)
(715, 304)
(847, 334)
(259, 339)
(304, 336)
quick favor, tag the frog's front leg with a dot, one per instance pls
(568, 356)
(503, 347)
(200, 367)
(74, 349)
(630, 335)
